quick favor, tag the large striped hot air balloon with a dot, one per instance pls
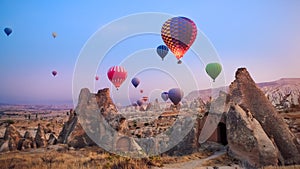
(179, 33)
(117, 75)
(162, 51)
(213, 70)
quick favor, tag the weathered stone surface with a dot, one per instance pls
(26, 144)
(52, 139)
(247, 140)
(68, 128)
(244, 92)
(12, 136)
(78, 138)
(40, 137)
(4, 146)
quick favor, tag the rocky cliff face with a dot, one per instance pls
(247, 140)
(245, 93)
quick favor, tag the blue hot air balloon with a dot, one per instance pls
(135, 82)
(162, 51)
(8, 31)
(175, 95)
(139, 102)
(164, 96)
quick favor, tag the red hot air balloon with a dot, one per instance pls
(97, 78)
(117, 75)
(54, 73)
(179, 33)
(145, 98)
(141, 91)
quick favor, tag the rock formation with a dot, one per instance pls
(247, 140)
(245, 93)
(11, 138)
(26, 142)
(52, 139)
(73, 134)
(40, 137)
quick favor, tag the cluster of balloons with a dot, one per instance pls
(178, 34)
(175, 95)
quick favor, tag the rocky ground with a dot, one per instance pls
(257, 135)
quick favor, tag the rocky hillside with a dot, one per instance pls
(282, 93)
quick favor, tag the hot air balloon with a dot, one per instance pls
(213, 70)
(54, 73)
(54, 34)
(135, 82)
(175, 95)
(117, 75)
(145, 98)
(139, 102)
(7, 31)
(141, 91)
(162, 51)
(97, 78)
(164, 96)
(179, 33)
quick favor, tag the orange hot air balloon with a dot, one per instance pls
(117, 75)
(179, 33)
(145, 98)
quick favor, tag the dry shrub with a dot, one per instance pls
(283, 167)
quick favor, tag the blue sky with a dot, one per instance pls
(263, 36)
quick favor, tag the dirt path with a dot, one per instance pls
(195, 164)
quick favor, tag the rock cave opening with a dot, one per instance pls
(222, 135)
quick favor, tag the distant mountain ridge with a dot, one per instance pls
(284, 89)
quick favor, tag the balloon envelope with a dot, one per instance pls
(7, 31)
(139, 102)
(213, 70)
(135, 82)
(162, 51)
(179, 33)
(145, 98)
(117, 75)
(164, 96)
(54, 73)
(97, 78)
(175, 95)
(54, 34)
(141, 91)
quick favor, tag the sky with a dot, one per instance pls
(263, 36)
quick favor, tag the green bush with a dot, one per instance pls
(9, 121)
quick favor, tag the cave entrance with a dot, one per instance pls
(222, 135)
